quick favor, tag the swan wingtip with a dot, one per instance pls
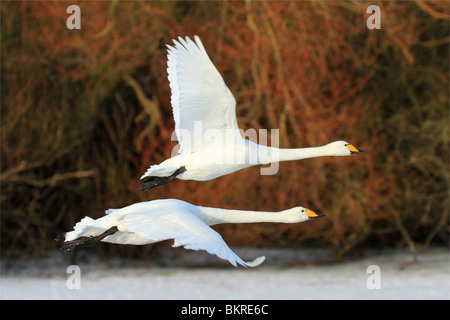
(256, 262)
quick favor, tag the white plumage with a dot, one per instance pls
(204, 111)
(158, 220)
(198, 94)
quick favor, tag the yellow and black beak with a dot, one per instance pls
(312, 215)
(354, 150)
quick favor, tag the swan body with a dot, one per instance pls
(212, 163)
(204, 111)
(188, 224)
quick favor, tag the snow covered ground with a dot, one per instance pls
(393, 273)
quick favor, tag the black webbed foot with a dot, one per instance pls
(85, 241)
(153, 182)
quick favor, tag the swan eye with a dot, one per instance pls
(303, 210)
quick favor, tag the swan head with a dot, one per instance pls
(304, 214)
(343, 148)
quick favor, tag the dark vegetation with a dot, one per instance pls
(85, 112)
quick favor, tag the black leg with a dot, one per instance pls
(86, 241)
(153, 182)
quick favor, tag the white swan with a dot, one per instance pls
(204, 111)
(158, 220)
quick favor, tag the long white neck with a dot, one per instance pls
(304, 153)
(213, 216)
(271, 154)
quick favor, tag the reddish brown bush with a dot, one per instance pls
(85, 112)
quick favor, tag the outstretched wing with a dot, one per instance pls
(201, 101)
(187, 230)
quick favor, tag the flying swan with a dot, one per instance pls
(158, 220)
(204, 111)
